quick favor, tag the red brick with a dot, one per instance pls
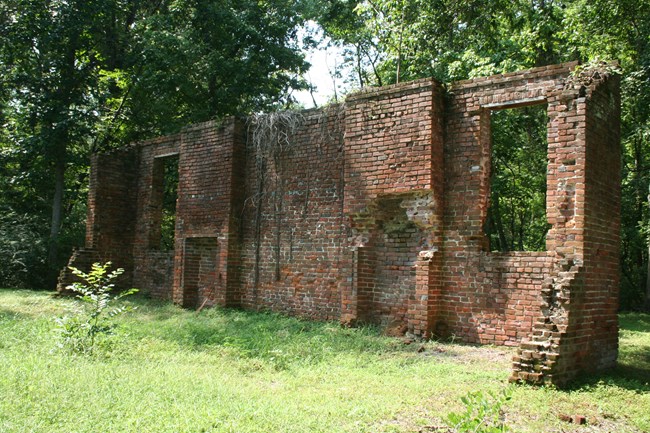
(375, 213)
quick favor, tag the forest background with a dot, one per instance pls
(80, 76)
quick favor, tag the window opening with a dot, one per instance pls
(170, 194)
(165, 188)
(516, 219)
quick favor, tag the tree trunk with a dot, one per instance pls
(359, 66)
(399, 48)
(498, 223)
(55, 228)
(647, 284)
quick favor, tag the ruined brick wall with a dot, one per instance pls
(110, 223)
(394, 178)
(596, 321)
(153, 266)
(577, 328)
(201, 268)
(208, 213)
(493, 297)
(293, 232)
(374, 212)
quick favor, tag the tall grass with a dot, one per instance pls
(172, 370)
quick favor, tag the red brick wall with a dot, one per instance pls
(292, 260)
(597, 323)
(577, 328)
(373, 211)
(388, 141)
(152, 266)
(492, 297)
(110, 226)
(207, 214)
(394, 178)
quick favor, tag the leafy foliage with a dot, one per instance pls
(170, 187)
(80, 76)
(22, 249)
(517, 213)
(93, 318)
(483, 413)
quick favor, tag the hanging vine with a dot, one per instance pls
(270, 138)
(332, 131)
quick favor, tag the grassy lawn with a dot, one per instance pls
(171, 370)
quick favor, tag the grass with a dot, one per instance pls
(171, 370)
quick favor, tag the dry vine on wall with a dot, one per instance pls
(270, 138)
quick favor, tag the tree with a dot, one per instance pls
(453, 40)
(345, 23)
(48, 67)
(87, 75)
(517, 212)
(621, 30)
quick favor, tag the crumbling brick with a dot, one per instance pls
(374, 212)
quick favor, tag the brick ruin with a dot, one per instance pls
(373, 211)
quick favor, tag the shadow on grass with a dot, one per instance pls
(637, 376)
(633, 369)
(275, 339)
(25, 304)
(635, 322)
(283, 341)
(623, 376)
(10, 314)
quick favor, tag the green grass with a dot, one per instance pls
(171, 370)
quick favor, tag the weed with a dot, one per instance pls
(79, 331)
(482, 413)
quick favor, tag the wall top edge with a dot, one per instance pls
(406, 86)
(559, 70)
(165, 139)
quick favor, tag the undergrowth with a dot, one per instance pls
(483, 413)
(93, 316)
(235, 371)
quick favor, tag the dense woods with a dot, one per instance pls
(80, 76)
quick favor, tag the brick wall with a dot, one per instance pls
(493, 297)
(110, 223)
(577, 328)
(374, 212)
(207, 215)
(596, 336)
(153, 266)
(293, 227)
(394, 179)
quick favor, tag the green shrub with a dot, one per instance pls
(22, 250)
(91, 318)
(482, 413)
